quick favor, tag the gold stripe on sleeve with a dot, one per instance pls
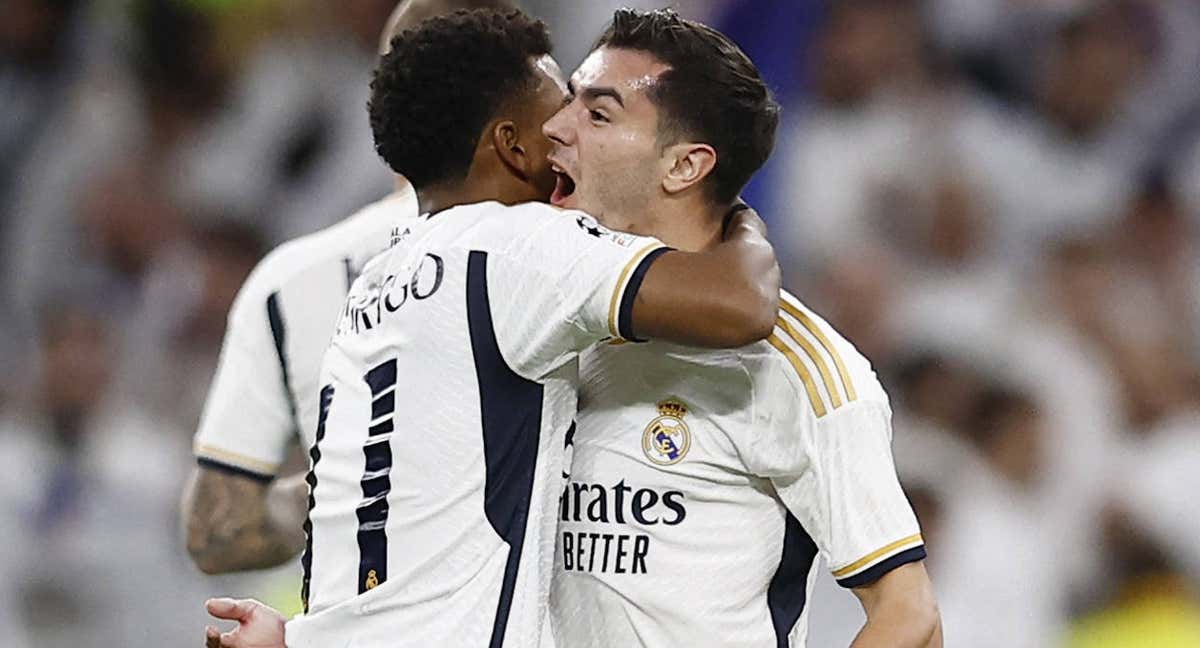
(822, 368)
(874, 555)
(235, 459)
(615, 304)
(809, 324)
(813, 396)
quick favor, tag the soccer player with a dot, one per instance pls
(449, 384)
(705, 484)
(264, 397)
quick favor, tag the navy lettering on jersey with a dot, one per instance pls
(621, 504)
(366, 307)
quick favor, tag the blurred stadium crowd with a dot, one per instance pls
(997, 201)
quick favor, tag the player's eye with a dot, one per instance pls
(567, 100)
(597, 116)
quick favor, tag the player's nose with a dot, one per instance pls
(557, 128)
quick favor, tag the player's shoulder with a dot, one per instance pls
(526, 214)
(350, 241)
(490, 211)
(356, 238)
(496, 226)
(807, 363)
(517, 227)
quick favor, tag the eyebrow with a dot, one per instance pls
(598, 92)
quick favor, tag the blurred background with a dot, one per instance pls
(997, 201)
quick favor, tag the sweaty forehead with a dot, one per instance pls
(550, 72)
(628, 71)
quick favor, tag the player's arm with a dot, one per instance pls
(834, 472)
(901, 611)
(237, 515)
(235, 522)
(563, 282)
(725, 297)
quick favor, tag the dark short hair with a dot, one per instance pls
(713, 92)
(442, 82)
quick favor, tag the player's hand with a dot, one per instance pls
(259, 626)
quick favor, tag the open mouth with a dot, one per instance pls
(564, 188)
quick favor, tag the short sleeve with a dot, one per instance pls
(566, 285)
(835, 474)
(247, 425)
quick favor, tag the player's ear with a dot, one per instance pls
(506, 141)
(690, 164)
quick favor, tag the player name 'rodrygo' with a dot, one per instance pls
(365, 310)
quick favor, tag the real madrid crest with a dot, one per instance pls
(667, 439)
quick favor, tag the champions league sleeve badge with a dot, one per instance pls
(667, 439)
(589, 224)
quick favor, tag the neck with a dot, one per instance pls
(483, 183)
(690, 224)
(437, 198)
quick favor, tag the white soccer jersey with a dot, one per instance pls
(265, 390)
(449, 392)
(705, 485)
